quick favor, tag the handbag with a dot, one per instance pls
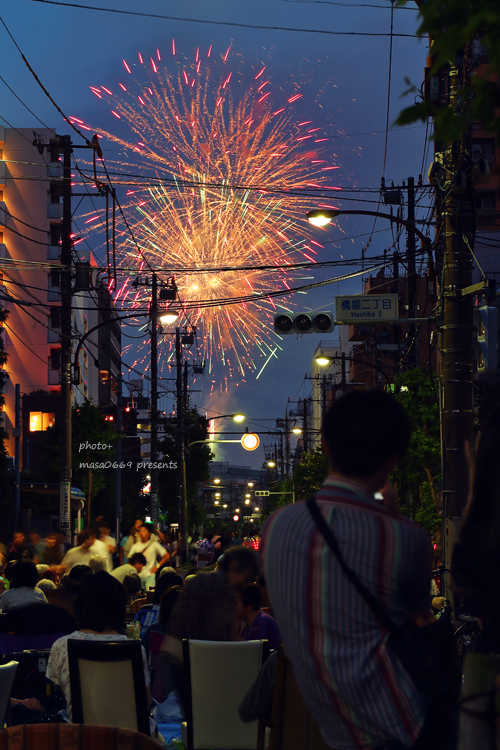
(427, 652)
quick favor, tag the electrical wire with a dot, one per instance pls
(26, 106)
(219, 23)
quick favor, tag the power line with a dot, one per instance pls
(221, 23)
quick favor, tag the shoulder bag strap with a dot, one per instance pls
(331, 540)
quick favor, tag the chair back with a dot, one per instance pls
(293, 726)
(220, 675)
(162, 682)
(146, 616)
(107, 684)
(7, 674)
(76, 736)
(136, 605)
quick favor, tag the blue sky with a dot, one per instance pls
(71, 49)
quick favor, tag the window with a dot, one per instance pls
(55, 359)
(55, 234)
(55, 317)
(41, 420)
(485, 202)
(55, 278)
(484, 149)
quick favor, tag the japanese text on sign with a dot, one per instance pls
(369, 307)
(64, 509)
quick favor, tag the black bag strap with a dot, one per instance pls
(331, 540)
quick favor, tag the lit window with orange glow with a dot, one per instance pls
(41, 421)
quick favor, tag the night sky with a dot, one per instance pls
(346, 82)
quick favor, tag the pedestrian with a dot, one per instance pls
(205, 551)
(356, 687)
(135, 565)
(88, 546)
(152, 551)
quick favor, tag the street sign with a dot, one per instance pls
(250, 441)
(154, 507)
(64, 507)
(370, 308)
(261, 493)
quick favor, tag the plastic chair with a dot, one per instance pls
(213, 721)
(74, 736)
(146, 616)
(7, 674)
(107, 684)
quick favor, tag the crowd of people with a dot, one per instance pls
(330, 575)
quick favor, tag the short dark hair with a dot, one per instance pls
(85, 534)
(362, 430)
(101, 602)
(79, 572)
(168, 602)
(132, 584)
(239, 559)
(164, 583)
(251, 597)
(24, 573)
(137, 557)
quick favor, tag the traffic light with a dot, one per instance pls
(486, 338)
(317, 322)
(261, 493)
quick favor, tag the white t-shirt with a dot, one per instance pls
(123, 571)
(58, 665)
(152, 551)
(81, 555)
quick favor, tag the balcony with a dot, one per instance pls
(3, 209)
(54, 336)
(4, 172)
(55, 211)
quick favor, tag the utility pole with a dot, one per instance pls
(154, 399)
(412, 272)
(305, 426)
(17, 436)
(181, 452)
(118, 487)
(66, 339)
(287, 446)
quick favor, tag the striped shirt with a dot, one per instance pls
(356, 688)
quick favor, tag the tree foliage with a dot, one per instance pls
(418, 474)
(307, 478)
(453, 25)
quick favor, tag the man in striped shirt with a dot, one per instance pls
(357, 689)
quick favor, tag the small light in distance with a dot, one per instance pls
(236, 517)
(217, 494)
(224, 506)
(271, 464)
(216, 502)
(247, 502)
(297, 430)
(247, 494)
(239, 417)
(216, 481)
(250, 484)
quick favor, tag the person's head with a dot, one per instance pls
(104, 528)
(132, 584)
(137, 561)
(79, 572)
(96, 562)
(364, 434)
(205, 611)
(248, 600)
(239, 565)
(27, 555)
(100, 603)
(18, 538)
(46, 585)
(165, 570)
(138, 523)
(144, 533)
(164, 583)
(51, 539)
(41, 570)
(52, 574)
(61, 537)
(87, 537)
(168, 602)
(34, 536)
(24, 574)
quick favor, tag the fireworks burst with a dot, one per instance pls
(224, 156)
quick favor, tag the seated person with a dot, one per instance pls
(22, 589)
(134, 564)
(259, 626)
(64, 596)
(100, 609)
(168, 601)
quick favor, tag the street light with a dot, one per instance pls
(216, 502)
(297, 430)
(169, 318)
(271, 464)
(250, 484)
(247, 495)
(247, 502)
(224, 506)
(217, 494)
(322, 360)
(216, 481)
(236, 510)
